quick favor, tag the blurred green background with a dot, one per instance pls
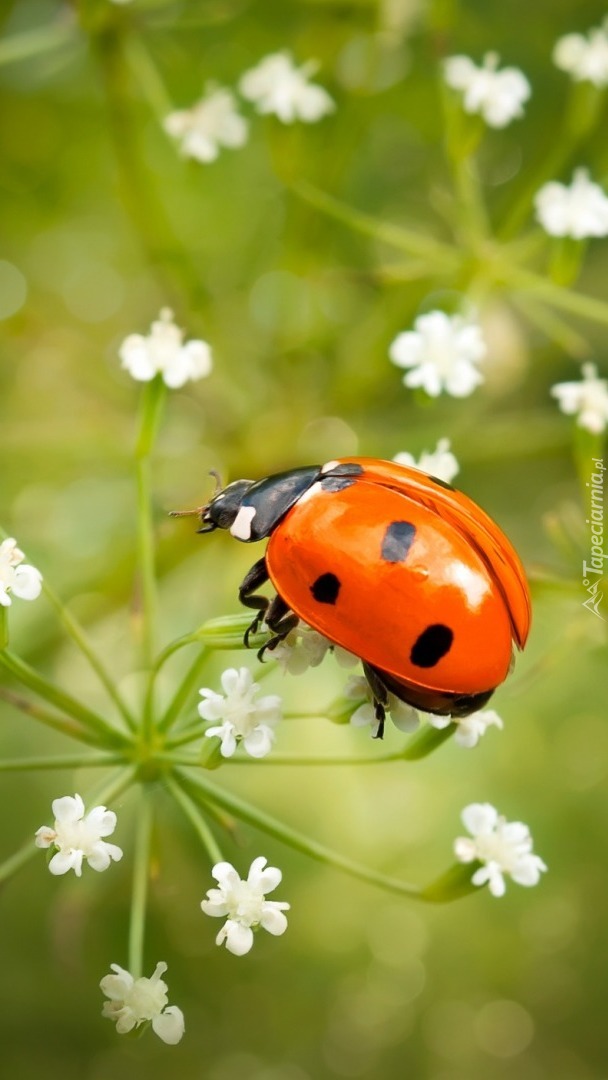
(101, 224)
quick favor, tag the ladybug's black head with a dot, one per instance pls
(221, 512)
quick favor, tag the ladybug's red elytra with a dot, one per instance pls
(393, 565)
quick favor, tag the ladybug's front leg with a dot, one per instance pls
(257, 576)
(380, 693)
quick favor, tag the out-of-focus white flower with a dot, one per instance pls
(211, 123)
(404, 717)
(133, 1002)
(504, 847)
(587, 400)
(585, 58)
(276, 85)
(305, 648)
(579, 210)
(498, 96)
(469, 729)
(442, 353)
(77, 837)
(439, 462)
(242, 719)
(17, 577)
(163, 352)
(245, 905)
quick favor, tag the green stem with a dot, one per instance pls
(139, 896)
(65, 761)
(4, 634)
(196, 819)
(147, 76)
(41, 686)
(587, 307)
(439, 255)
(201, 789)
(426, 740)
(556, 329)
(49, 719)
(14, 863)
(185, 691)
(79, 637)
(39, 41)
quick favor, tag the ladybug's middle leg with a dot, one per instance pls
(281, 620)
(380, 693)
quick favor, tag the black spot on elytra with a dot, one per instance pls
(346, 468)
(326, 588)
(431, 645)
(397, 541)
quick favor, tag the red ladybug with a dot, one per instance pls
(391, 564)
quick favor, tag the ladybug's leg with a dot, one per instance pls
(281, 620)
(380, 693)
(257, 576)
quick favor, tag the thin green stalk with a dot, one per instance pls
(37, 42)
(587, 307)
(64, 761)
(286, 759)
(200, 788)
(196, 819)
(556, 329)
(51, 693)
(79, 637)
(49, 719)
(139, 896)
(439, 255)
(185, 691)
(147, 76)
(14, 863)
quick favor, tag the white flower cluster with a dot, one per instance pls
(504, 848)
(497, 95)
(441, 353)
(440, 462)
(244, 905)
(163, 352)
(77, 837)
(585, 58)
(469, 729)
(587, 399)
(275, 86)
(134, 1002)
(241, 718)
(16, 577)
(579, 210)
(305, 648)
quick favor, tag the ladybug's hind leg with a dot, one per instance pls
(248, 595)
(380, 694)
(281, 620)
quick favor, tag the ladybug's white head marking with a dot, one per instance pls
(329, 466)
(241, 526)
(313, 490)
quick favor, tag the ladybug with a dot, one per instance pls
(393, 565)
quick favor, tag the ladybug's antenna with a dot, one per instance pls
(199, 511)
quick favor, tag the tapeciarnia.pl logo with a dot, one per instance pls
(593, 571)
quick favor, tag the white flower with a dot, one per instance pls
(305, 648)
(497, 95)
(442, 352)
(77, 837)
(404, 717)
(439, 462)
(584, 58)
(245, 904)
(138, 1001)
(578, 211)
(504, 847)
(163, 351)
(588, 400)
(212, 122)
(277, 86)
(242, 718)
(469, 729)
(17, 577)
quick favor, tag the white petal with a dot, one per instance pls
(273, 920)
(479, 818)
(169, 1026)
(63, 861)
(27, 582)
(238, 938)
(45, 836)
(259, 742)
(68, 809)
